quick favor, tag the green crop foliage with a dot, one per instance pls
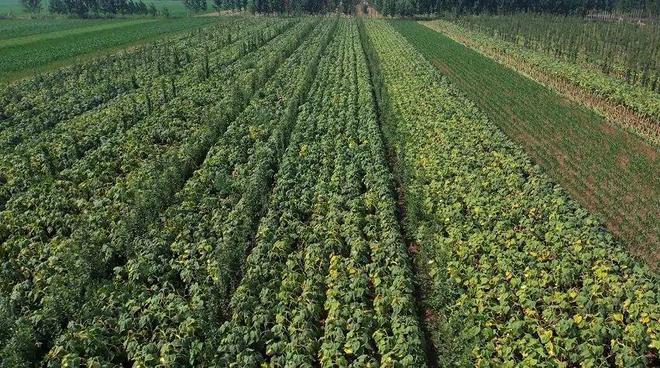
(608, 170)
(118, 174)
(14, 8)
(205, 233)
(14, 28)
(291, 192)
(516, 273)
(11, 7)
(328, 282)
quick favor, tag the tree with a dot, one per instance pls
(565, 7)
(251, 7)
(405, 8)
(389, 7)
(109, 6)
(152, 10)
(275, 6)
(296, 6)
(31, 6)
(78, 7)
(57, 7)
(195, 5)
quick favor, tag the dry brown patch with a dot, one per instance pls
(372, 12)
(629, 198)
(592, 185)
(622, 161)
(647, 151)
(608, 129)
(564, 169)
(221, 13)
(443, 67)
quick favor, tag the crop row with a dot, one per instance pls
(15, 28)
(67, 235)
(50, 150)
(165, 305)
(328, 282)
(515, 272)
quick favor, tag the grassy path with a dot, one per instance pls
(83, 28)
(608, 170)
(15, 28)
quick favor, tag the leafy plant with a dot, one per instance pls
(516, 273)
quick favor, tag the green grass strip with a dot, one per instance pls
(14, 28)
(84, 28)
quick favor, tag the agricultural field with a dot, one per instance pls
(610, 171)
(513, 271)
(13, 7)
(28, 46)
(308, 192)
(18, 28)
(616, 96)
(174, 7)
(620, 49)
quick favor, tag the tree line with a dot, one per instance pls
(412, 7)
(84, 8)
(87, 8)
(287, 6)
(564, 7)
